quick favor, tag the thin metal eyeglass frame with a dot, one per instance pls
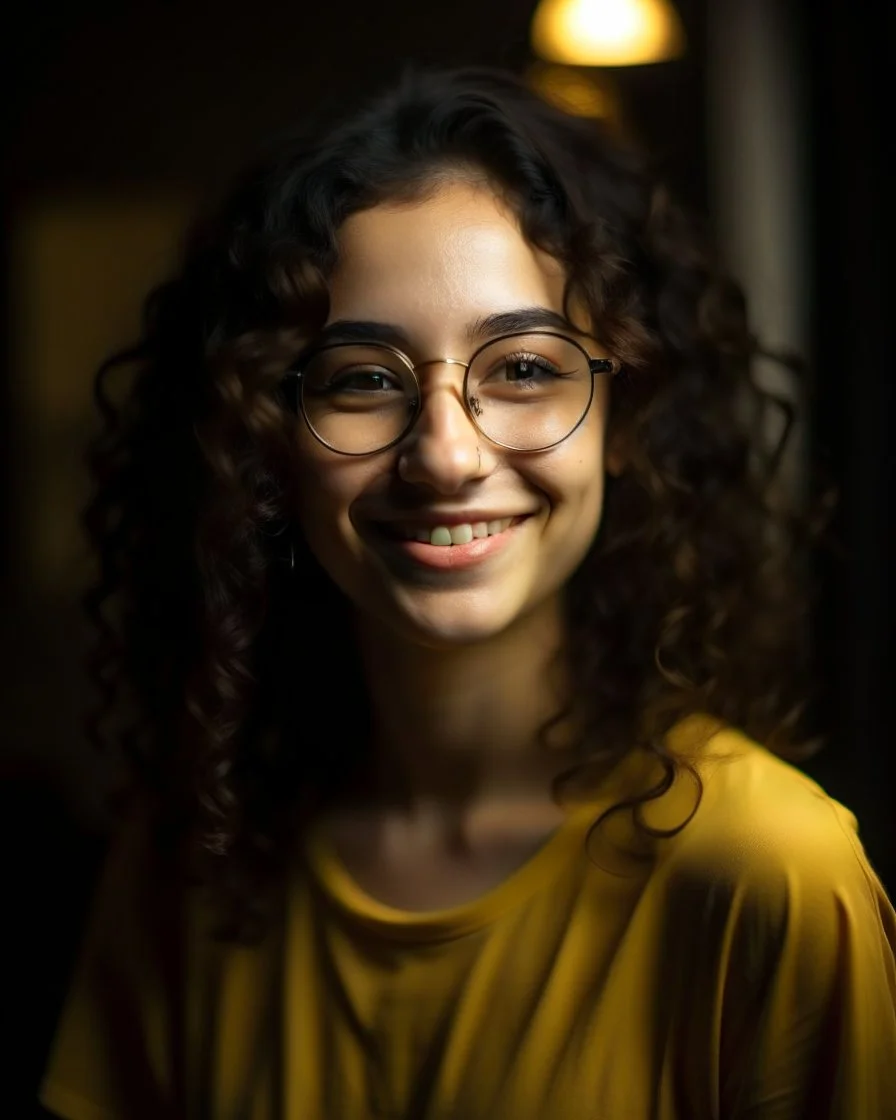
(595, 365)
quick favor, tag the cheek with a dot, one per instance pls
(579, 524)
(573, 481)
(572, 475)
(584, 504)
(328, 486)
(323, 495)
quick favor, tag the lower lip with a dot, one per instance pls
(456, 557)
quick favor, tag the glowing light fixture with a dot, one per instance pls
(606, 32)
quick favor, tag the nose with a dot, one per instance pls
(442, 450)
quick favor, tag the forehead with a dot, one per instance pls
(436, 265)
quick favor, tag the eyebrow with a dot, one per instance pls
(517, 321)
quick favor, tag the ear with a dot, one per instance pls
(616, 453)
(615, 464)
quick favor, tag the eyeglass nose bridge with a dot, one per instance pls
(471, 405)
(441, 362)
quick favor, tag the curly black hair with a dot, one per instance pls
(215, 624)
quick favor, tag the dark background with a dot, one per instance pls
(121, 117)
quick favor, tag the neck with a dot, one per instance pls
(460, 729)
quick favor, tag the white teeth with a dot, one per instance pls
(461, 534)
(444, 535)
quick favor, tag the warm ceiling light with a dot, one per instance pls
(606, 32)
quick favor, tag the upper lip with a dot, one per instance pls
(432, 519)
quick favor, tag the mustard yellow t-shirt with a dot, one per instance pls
(744, 970)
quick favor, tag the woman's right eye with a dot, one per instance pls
(363, 381)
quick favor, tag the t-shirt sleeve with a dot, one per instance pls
(111, 1058)
(808, 998)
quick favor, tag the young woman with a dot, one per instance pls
(460, 620)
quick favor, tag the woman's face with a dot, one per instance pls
(431, 271)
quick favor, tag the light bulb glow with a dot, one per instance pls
(606, 32)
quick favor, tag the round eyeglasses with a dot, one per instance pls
(524, 392)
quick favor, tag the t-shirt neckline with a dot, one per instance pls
(556, 854)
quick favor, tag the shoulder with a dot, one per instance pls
(777, 921)
(768, 847)
(758, 812)
(111, 1038)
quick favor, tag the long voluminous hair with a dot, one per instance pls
(217, 632)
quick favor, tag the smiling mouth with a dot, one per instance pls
(446, 536)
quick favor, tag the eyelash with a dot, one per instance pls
(535, 360)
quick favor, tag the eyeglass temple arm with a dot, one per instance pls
(603, 365)
(289, 388)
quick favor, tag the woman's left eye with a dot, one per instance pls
(526, 367)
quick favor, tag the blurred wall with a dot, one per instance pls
(851, 248)
(758, 167)
(81, 262)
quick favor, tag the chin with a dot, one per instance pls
(451, 638)
(445, 625)
(445, 633)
